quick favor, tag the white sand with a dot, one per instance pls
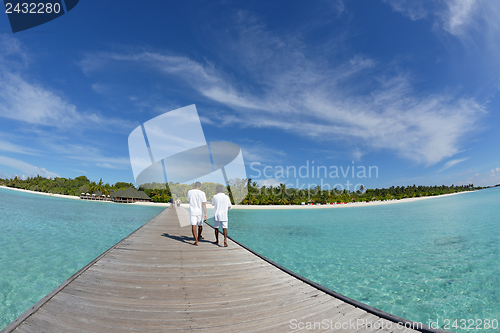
(42, 193)
(353, 204)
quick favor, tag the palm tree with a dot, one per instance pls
(100, 186)
(92, 187)
(282, 190)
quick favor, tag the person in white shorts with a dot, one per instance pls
(222, 204)
(197, 202)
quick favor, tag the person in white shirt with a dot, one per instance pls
(222, 204)
(197, 202)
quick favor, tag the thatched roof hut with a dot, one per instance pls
(129, 195)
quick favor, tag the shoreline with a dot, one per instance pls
(41, 193)
(349, 204)
(72, 197)
(243, 207)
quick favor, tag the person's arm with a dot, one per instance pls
(204, 204)
(229, 205)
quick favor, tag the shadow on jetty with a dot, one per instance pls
(185, 239)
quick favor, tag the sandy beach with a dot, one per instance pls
(352, 204)
(41, 193)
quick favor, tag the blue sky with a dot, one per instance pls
(408, 87)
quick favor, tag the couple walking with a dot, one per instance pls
(198, 207)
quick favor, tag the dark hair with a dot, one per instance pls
(197, 185)
(219, 189)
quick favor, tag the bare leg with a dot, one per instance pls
(200, 228)
(193, 229)
(225, 237)
(216, 236)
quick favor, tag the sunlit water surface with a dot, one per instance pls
(44, 240)
(430, 260)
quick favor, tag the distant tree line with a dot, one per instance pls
(257, 195)
(66, 186)
(281, 195)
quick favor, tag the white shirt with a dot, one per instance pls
(221, 204)
(196, 198)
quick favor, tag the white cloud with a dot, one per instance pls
(453, 16)
(339, 6)
(14, 55)
(425, 128)
(269, 182)
(357, 154)
(488, 178)
(26, 168)
(81, 171)
(102, 89)
(7, 146)
(106, 165)
(459, 16)
(414, 9)
(204, 79)
(34, 104)
(261, 153)
(90, 154)
(31, 103)
(301, 92)
(451, 163)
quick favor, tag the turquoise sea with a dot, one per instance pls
(434, 260)
(431, 260)
(44, 240)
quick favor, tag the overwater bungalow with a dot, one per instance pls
(129, 195)
(96, 196)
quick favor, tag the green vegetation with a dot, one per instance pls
(280, 195)
(162, 192)
(64, 185)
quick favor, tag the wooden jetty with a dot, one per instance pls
(155, 280)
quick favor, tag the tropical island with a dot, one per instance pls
(257, 195)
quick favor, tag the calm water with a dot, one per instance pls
(45, 240)
(433, 259)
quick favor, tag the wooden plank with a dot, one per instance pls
(210, 304)
(192, 299)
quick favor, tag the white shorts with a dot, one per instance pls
(217, 224)
(196, 220)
